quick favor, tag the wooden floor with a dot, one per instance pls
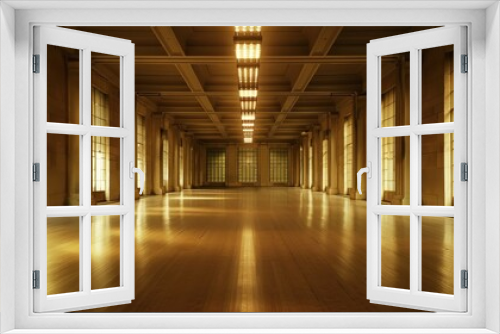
(261, 250)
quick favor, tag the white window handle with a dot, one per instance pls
(368, 171)
(133, 170)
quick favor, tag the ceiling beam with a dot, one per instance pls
(164, 92)
(264, 90)
(298, 111)
(321, 47)
(170, 43)
(173, 60)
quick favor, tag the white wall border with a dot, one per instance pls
(492, 163)
(7, 166)
(477, 194)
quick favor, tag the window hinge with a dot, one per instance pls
(36, 172)
(465, 279)
(464, 171)
(36, 63)
(36, 279)
(465, 64)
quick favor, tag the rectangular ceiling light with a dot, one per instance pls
(243, 30)
(248, 105)
(248, 76)
(247, 51)
(248, 93)
(248, 41)
(248, 116)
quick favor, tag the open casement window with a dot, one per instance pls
(83, 155)
(416, 143)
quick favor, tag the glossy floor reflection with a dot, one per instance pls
(260, 250)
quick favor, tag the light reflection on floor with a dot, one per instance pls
(262, 249)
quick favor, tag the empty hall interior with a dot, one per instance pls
(250, 139)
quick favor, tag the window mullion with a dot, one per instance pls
(415, 171)
(86, 176)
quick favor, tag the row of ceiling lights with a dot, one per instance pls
(248, 41)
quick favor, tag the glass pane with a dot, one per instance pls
(278, 165)
(437, 85)
(395, 90)
(105, 170)
(247, 165)
(63, 85)
(63, 255)
(105, 252)
(395, 252)
(437, 169)
(105, 90)
(395, 171)
(437, 254)
(63, 170)
(216, 165)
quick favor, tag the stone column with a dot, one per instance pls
(176, 168)
(171, 158)
(156, 151)
(232, 165)
(317, 158)
(306, 140)
(303, 141)
(361, 144)
(263, 165)
(294, 161)
(354, 170)
(203, 165)
(188, 160)
(196, 165)
(333, 165)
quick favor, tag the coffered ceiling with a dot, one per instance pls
(190, 74)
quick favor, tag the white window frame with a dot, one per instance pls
(484, 49)
(415, 43)
(85, 43)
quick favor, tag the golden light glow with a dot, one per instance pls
(248, 75)
(248, 93)
(248, 116)
(248, 140)
(248, 41)
(248, 105)
(248, 51)
(250, 29)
